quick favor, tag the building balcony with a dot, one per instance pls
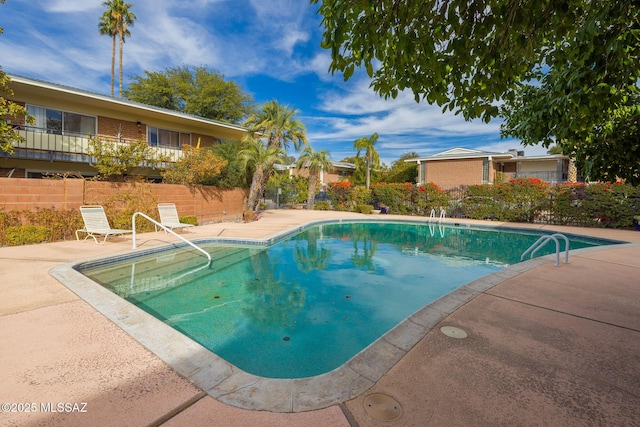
(39, 144)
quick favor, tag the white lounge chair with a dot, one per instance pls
(169, 216)
(97, 224)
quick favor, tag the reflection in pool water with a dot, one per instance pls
(307, 304)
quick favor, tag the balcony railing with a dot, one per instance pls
(42, 145)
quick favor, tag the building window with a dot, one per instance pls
(167, 138)
(485, 171)
(60, 122)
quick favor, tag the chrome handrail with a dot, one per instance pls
(167, 229)
(538, 244)
(432, 216)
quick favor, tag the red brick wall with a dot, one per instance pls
(328, 177)
(30, 194)
(453, 173)
(109, 128)
(208, 204)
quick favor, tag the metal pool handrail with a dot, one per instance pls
(433, 215)
(538, 244)
(157, 224)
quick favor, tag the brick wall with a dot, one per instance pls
(453, 173)
(208, 204)
(31, 194)
(109, 128)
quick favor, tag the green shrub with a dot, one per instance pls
(519, 200)
(340, 195)
(595, 205)
(26, 235)
(360, 195)
(7, 219)
(293, 189)
(365, 209)
(121, 207)
(396, 197)
(61, 224)
(524, 198)
(322, 206)
(482, 202)
(193, 220)
(426, 197)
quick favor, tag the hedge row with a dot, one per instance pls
(51, 225)
(519, 200)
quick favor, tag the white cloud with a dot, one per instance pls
(161, 40)
(354, 110)
(319, 65)
(71, 6)
(239, 38)
(372, 113)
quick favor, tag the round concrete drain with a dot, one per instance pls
(453, 332)
(382, 407)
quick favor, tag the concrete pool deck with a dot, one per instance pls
(549, 345)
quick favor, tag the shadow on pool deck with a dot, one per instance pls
(550, 346)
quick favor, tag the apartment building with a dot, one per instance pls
(67, 118)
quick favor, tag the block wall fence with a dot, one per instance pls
(208, 204)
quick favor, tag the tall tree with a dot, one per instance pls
(371, 156)
(195, 91)
(315, 162)
(196, 166)
(278, 123)
(603, 140)
(115, 21)
(126, 20)
(261, 159)
(233, 175)
(401, 171)
(107, 26)
(567, 71)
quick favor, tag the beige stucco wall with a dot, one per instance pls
(539, 166)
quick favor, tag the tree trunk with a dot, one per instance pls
(255, 189)
(312, 191)
(113, 63)
(368, 173)
(120, 63)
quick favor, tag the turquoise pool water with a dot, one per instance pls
(308, 303)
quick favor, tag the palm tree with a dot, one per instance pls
(279, 125)
(315, 161)
(371, 155)
(262, 159)
(115, 22)
(126, 21)
(107, 26)
(312, 257)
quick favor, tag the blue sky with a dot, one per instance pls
(271, 48)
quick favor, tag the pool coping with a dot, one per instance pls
(230, 385)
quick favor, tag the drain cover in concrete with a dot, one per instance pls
(453, 332)
(382, 407)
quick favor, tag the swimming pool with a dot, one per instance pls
(308, 303)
